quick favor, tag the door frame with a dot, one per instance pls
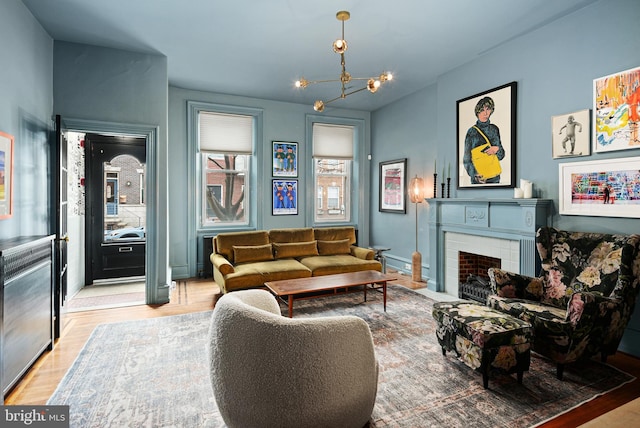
(150, 133)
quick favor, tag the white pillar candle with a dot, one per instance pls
(528, 190)
(518, 193)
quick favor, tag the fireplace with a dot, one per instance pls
(477, 265)
(502, 229)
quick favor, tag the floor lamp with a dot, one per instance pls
(416, 195)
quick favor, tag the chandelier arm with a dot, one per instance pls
(310, 82)
(354, 92)
(344, 96)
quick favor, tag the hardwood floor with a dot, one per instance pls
(200, 295)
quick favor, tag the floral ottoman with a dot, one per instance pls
(483, 337)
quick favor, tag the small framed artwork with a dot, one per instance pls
(486, 138)
(608, 188)
(6, 175)
(284, 159)
(393, 184)
(571, 134)
(285, 197)
(616, 111)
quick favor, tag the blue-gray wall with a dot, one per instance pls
(281, 122)
(99, 88)
(26, 102)
(554, 67)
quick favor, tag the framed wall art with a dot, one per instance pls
(6, 175)
(616, 111)
(571, 134)
(608, 188)
(285, 197)
(284, 159)
(486, 138)
(393, 184)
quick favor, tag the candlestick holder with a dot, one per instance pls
(448, 187)
(435, 184)
(442, 189)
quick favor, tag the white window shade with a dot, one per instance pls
(332, 141)
(225, 133)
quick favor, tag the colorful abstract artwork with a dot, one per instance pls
(6, 175)
(616, 111)
(608, 188)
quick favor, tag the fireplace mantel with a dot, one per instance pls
(510, 219)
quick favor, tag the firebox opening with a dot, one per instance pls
(475, 264)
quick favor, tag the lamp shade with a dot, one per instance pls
(416, 190)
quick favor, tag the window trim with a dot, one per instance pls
(194, 172)
(357, 194)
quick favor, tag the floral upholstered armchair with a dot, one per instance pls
(582, 301)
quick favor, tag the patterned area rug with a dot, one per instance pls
(154, 373)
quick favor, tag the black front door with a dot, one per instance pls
(116, 232)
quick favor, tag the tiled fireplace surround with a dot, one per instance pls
(501, 228)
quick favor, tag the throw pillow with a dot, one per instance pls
(252, 253)
(295, 249)
(328, 248)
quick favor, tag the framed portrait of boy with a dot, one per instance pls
(486, 138)
(284, 157)
(571, 134)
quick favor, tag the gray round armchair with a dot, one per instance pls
(272, 371)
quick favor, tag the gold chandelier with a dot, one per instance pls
(340, 47)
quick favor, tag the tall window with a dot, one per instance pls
(226, 145)
(332, 159)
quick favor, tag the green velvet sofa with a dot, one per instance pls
(243, 260)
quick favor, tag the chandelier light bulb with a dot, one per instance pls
(340, 46)
(373, 85)
(318, 106)
(302, 83)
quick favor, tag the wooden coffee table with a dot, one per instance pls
(302, 288)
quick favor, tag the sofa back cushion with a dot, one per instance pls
(330, 248)
(289, 250)
(252, 253)
(223, 243)
(304, 234)
(335, 234)
(577, 261)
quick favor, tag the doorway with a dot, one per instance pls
(115, 241)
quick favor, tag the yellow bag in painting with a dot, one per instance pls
(488, 166)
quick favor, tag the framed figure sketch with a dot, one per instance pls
(571, 134)
(486, 134)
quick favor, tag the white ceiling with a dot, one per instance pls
(258, 48)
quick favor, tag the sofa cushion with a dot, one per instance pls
(223, 242)
(340, 263)
(255, 274)
(304, 234)
(252, 253)
(335, 234)
(329, 248)
(288, 250)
